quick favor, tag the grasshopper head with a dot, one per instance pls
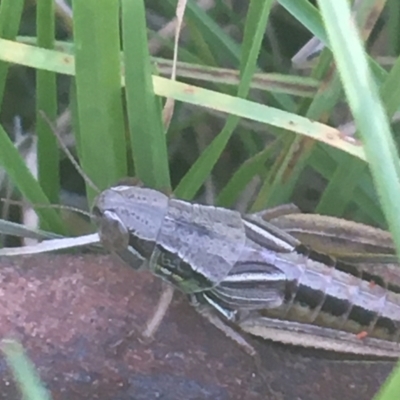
(129, 218)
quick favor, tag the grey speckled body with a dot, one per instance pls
(192, 246)
(252, 273)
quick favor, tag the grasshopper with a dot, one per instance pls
(304, 280)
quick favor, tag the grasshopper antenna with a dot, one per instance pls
(68, 153)
(57, 206)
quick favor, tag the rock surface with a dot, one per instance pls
(73, 314)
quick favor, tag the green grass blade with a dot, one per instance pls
(255, 27)
(390, 90)
(98, 91)
(19, 230)
(368, 112)
(244, 175)
(271, 82)
(63, 63)
(309, 16)
(35, 57)
(19, 173)
(46, 101)
(221, 43)
(391, 388)
(24, 371)
(346, 179)
(285, 178)
(144, 112)
(258, 112)
(340, 190)
(364, 194)
(10, 17)
(394, 26)
(217, 44)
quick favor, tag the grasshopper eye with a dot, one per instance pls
(113, 233)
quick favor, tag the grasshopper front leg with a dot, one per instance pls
(162, 307)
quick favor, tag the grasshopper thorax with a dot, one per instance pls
(129, 217)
